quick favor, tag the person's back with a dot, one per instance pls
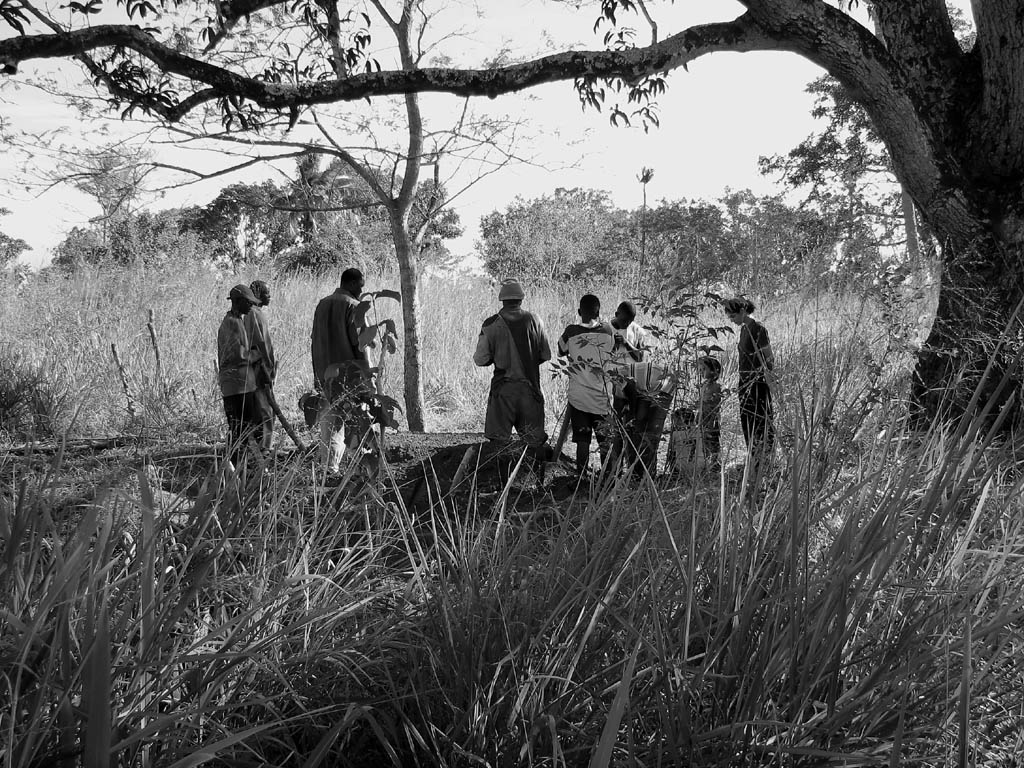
(340, 370)
(515, 344)
(335, 338)
(588, 345)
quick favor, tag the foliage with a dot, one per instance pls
(754, 244)
(561, 236)
(10, 247)
(140, 238)
(240, 221)
(853, 615)
(31, 401)
(846, 175)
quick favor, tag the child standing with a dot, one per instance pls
(709, 408)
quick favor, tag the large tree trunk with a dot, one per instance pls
(981, 287)
(413, 355)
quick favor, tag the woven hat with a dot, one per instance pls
(511, 290)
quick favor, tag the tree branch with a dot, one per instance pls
(853, 55)
(677, 50)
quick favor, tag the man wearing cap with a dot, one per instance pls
(340, 368)
(248, 411)
(514, 342)
(259, 331)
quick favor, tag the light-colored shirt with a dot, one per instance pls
(650, 379)
(589, 349)
(638, 336)
(235, 356)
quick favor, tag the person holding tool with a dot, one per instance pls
(249, 413)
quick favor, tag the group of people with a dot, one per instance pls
(341, 372)
(617, 394)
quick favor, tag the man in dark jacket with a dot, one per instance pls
(340, 368)
(513, 341)
(239, 357)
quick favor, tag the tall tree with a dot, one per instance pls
(951, 120)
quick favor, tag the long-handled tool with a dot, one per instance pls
(563, 432)
(263, 374)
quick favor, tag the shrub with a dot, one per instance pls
(28, 400)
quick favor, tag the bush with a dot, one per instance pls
(28, 400)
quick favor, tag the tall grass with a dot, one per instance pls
(65, 326)
(873, 619)
(864, 609)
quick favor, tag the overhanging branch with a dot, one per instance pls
(678, 50)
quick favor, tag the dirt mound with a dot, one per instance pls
(419, 468)
(457, 465)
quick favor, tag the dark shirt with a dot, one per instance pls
(710, 406)
(237, 357)
(259, 336)
(753, 338)
(335, 339)
(515, 343)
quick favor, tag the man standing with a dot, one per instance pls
(513, 341)
(248, 411)
(340, 369)
(588, 345)
(266, 372)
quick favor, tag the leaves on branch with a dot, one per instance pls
(91, 6)
(140, 7)
(11, 12)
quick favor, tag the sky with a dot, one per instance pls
(717, 119)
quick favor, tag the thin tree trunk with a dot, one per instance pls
(413, 353)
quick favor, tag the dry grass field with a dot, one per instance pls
(864, 609)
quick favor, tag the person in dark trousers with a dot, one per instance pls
(648, 393)
(340, 369)
(588, 347)
(709, 410)
(755, 397)
(266, 373)
(632, 413)
(249, 413)
(514, 342)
